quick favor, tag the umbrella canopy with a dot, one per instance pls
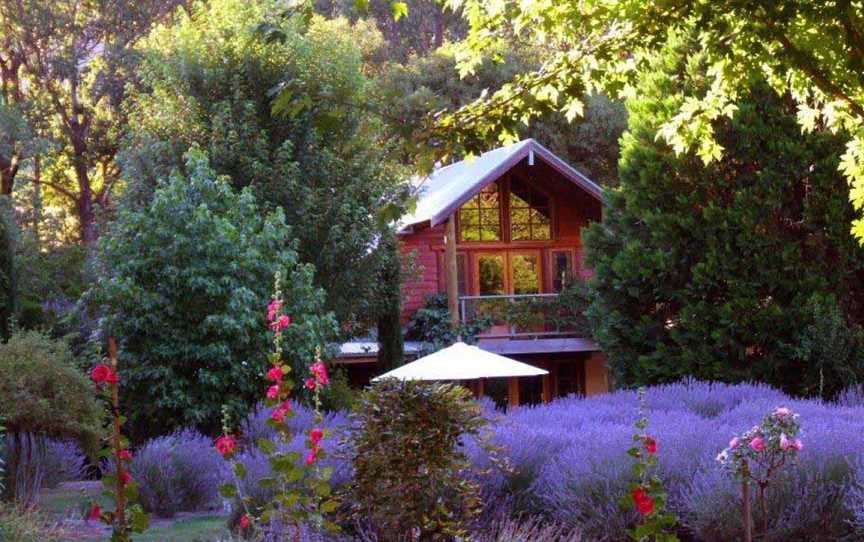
(461, 362)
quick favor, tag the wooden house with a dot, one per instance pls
(515, 217)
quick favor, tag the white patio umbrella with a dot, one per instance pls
(461, 362)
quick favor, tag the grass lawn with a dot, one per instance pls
(65, 505)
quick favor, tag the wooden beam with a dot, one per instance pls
(547, 387)
(513, 392)
(480, 391)
(452, 271)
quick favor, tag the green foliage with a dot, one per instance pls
(707, 270)
(431, 325)
(17, 525)
(279, 106)
(812, 52)
(184, 282)
(42, 391)
(8, 272)
(409, 461)
(391, 349)
(426, 85)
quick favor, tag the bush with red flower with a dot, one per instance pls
(758, 455)
(303, 494)
(647, 495)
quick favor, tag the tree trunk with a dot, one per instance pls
(86, 217)
(26, 453)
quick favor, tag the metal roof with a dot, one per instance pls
(537, 346)
(447, 188)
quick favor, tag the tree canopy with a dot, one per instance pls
(740, 269)
(185, 282)
(811, 51)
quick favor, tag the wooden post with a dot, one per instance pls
(513, 391)
(452, 271)
(547, 387)
(479, 388)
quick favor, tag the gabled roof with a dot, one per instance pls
(447, 188)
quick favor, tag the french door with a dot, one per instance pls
(507, 272)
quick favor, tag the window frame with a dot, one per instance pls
(504, 214)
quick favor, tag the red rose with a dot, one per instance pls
(124, 455)
(316, 435)
(95, 513)
(275, 374)
(124, 477)
(244, 521)
(226, 444)
(650, 445)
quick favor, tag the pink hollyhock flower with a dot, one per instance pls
(757, 444)
(734, 443)
(281, 323)
(312, 457)
(310, 384)
(644, 502)
(280, 412)
(273, 309)
(244, 521)
(226, 444)
(650, 445)
(272, 392)
(95, 513)
(316, 435)
(319, 371)
(125, 477)
(275, 374)
(124, 455)
(782, 412)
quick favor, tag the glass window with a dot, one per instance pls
(480, 217)
(526, 273)
(490, 270)
(529, 213)
(562, 269)
(461, 275)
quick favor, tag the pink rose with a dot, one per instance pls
(757, 444)
(272, 392)
(798, 444)
(782, 412)
(275, 374)
(273, 309)
(734, 443)
(226, 444)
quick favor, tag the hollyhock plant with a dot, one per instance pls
(647, 494)
(127, 517)
(303, 484)
(758, 455)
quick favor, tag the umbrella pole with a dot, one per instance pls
(513, 391)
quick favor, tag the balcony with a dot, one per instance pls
(524, 316)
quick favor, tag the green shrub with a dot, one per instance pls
(42, 394)
(19, 526)
(431, 326)
(409, 461)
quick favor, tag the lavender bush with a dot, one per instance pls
(178, 472)
(571, 465)
(65, 461)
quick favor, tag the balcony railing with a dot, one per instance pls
(518, 315)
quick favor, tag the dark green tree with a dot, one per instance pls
(391, 347)
(709, 270)
(185, 283)
(8, 271)
(316, 152)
